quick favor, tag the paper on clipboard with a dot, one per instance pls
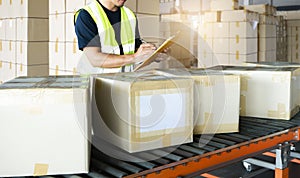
(167, 43)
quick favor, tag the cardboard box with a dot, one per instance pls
(9, 51)
(243, 46)
(213, 91)
(32, 70)
(242, 30)
(54, 111)
(262, 9)
(73, 55)
(267, 44)
(57, 7)
(74, 5)
(240, 59)
(57, 52)
(32, 29)
(146, 24)
(143, 125)
(2, 29)
(213, 16)
(267, 31)
(221, 45)
(239, 16)
(10, 29)
(221, 30)
(206, 30)
(132, 5)
(7, 71)
(32, 53)
(217, 5)
(148, 7)
(55, 33)
(221, 59)
(267, 56)
(31, 8)
(267, 92)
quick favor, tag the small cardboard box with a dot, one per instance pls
(242, 30)
(148, 7)
(243, 46)
(57, 52)
(32, 29)
(74, 5)
(267, 92)
(264, 9)
(55, 33)
(221, 30)
(239, 16)
(32, 53)
(49, 119)
(57, 7)
(145, 110)
(224, 5)
(216, 100)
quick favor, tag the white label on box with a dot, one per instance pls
(162, 111)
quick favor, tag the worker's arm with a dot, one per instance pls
(104, 60)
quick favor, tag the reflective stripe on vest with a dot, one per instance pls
(107, 34)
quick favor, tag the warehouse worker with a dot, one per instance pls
(107, 32)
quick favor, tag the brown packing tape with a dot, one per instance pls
(222, 128)
(244, 83)
(10, 2)
(0, 2)
(205, 37)
(0, 64)
(40, 169)
(56, 69)
(10, 65)
(21, 68)
(237, 24)
(237, 39)
(56, 45)
(21, 2)
(74, 71)
(74, 46)
(167, 140)
(219, 13)
(237, 55)
(243, 105)
(10, 46)
(280, 112)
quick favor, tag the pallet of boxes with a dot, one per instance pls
(23, 39)
(227, 35)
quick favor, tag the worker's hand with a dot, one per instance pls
(144, 51)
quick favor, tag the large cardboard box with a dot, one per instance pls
(224, 5)
(264, 9)
(33, 29)
(32, 53)
(31, 8)
(216, 100)
(267, 92)
(145, 110)
(242, 30)
(49, 119)
(239, 16)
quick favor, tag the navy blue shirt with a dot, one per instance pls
(87, 31)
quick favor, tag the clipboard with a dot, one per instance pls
(167, 43)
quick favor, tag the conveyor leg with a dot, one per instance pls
(282, 160)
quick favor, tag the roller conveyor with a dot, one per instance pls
(189, 160)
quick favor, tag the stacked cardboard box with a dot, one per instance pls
(224, 5)
(212, 92)
(23, 39)
(267, 92)
(227, 37)
(267, 31)
(281, 42)
(45, 126)
(152, 111)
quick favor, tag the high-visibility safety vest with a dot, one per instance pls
(107, 34)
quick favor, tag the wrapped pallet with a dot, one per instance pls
(216, 100)
(143, 111)
(267, 92)
(44, 126)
